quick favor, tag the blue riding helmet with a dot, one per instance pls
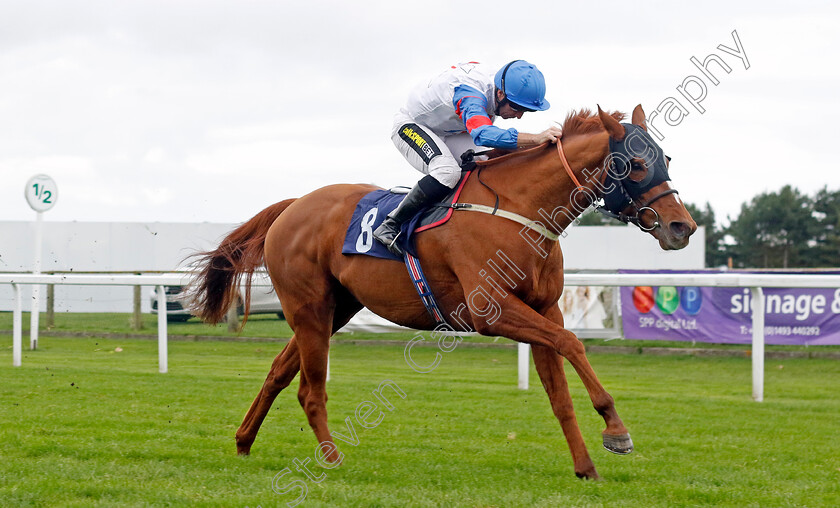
(523, 85)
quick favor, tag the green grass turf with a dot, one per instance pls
(84, 425)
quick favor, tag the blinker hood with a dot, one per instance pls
(620, 189)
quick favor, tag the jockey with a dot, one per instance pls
(452, 113)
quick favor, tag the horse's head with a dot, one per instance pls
(637, 186)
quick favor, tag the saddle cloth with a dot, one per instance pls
(375, 206)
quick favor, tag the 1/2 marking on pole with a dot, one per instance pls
(41, 192)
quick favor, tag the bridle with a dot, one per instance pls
(639, 209)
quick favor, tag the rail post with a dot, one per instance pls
(523, 360)
(50, 306)
(163, 354)
(232, 316)
(17, 325)
(137, 315)
(757, 297)
(36, 289)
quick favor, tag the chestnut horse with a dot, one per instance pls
(320, 289)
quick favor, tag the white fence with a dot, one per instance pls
(19, 279)
(753, 281)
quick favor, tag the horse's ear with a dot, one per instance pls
(638, 117)
(614, 128)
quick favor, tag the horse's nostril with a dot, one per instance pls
(680, 229)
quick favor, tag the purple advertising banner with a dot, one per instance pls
(724, 315)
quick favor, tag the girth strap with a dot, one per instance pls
(423, 289)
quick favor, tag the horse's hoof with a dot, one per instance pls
(621, 445)
(588, 475)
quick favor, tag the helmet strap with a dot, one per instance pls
(500, 103)
(504, 73)
(504, 101)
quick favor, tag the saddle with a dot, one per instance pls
(375, 206)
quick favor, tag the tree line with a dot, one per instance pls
(783, 229)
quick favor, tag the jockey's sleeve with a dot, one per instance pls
(471, 107)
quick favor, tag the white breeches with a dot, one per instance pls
(429, 153)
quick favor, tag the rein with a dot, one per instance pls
(566, 164)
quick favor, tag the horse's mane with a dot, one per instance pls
(585, 122)
(576, 123)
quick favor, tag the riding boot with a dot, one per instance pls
(424, 193)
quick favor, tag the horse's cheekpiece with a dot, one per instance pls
(622, 191)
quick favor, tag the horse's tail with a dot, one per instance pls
(218, 272)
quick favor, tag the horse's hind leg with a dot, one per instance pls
(314, 353)
(283, 370)
(314, 342)
(549, 366)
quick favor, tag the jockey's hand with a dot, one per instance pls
(550, 135)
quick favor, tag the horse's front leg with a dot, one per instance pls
(518, 321)
(550, 369)
(616, 437)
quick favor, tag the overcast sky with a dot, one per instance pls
(189, 111)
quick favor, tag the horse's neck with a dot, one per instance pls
(537, 186)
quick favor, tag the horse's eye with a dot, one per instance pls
(637, 171)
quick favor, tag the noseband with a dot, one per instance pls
(629, 201)
(635, 219)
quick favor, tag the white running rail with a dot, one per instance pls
(750, 280)
(19, 279)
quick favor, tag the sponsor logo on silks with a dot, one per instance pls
(419, 141)
(426, 148)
